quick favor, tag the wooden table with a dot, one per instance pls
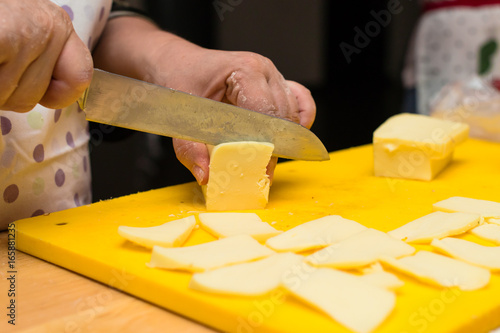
(52, 299)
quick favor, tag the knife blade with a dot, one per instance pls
(125, 102)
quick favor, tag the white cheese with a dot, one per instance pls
(170, 234)
(361, 249)
(490, 232)
(439, 270)
(489, 210)
(355, 304)
(415, 146)
(315, 234)
(219, 253)
(484, 256)
(229, 224)
(247, 279)
(435, 225)
(237, 177)
(382, 279)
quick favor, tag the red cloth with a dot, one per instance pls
(433, 5)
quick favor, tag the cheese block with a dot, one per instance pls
(361, 249)
(237, 177)
(170, 234)
(489, 210)
(247, 279)
(490, 232)
(315, 234)
(229, 224)
(442, 271)
(480, 255)
(382, 279)
(201, 257)
(415, 146)
(435, 225)
(353, 303)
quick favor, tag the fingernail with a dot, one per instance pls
(198, 174)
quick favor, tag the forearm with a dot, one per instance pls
(135, 47)
(122, 44)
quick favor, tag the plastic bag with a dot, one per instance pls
(475, 101)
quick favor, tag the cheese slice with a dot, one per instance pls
(170, 234)
(489, 210)
(315, 234)
(219, 253)
(382, 279)
(484, 256)
(237, 177)
(355, 304)
(375, 267)
(439, 270)
(229, 224)
(415, 146)
(435, 225)
(490, 232)
(361, 249)
(247, 279)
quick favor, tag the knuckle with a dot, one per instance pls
(254, 61)
(62, 17)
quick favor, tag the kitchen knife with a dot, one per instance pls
(124, 102)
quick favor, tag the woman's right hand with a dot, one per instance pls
(42, 60)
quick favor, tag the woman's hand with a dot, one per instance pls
(42, 60)
(244, 79)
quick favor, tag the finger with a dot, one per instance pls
(306, 104)
(250, 91)
(71, 76)
(259, 94)
(36, 74)
(260, 87)
(284, 99)
(194, 156)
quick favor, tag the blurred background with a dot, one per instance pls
(356, 81)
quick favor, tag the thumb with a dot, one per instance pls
(195, 157)
(71, 76)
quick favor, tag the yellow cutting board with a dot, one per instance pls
(85, 240)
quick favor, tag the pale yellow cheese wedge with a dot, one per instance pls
(489, 231)
(315, 234)
(247, 279)
(353, 303)
(219, 253)
(229, 224)
(361, 249)
(439, 270)
(415, 146)
(484, 256)
(489, 210)
(170, 234)
(382, 279)
(237, 177)
(435, 225)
